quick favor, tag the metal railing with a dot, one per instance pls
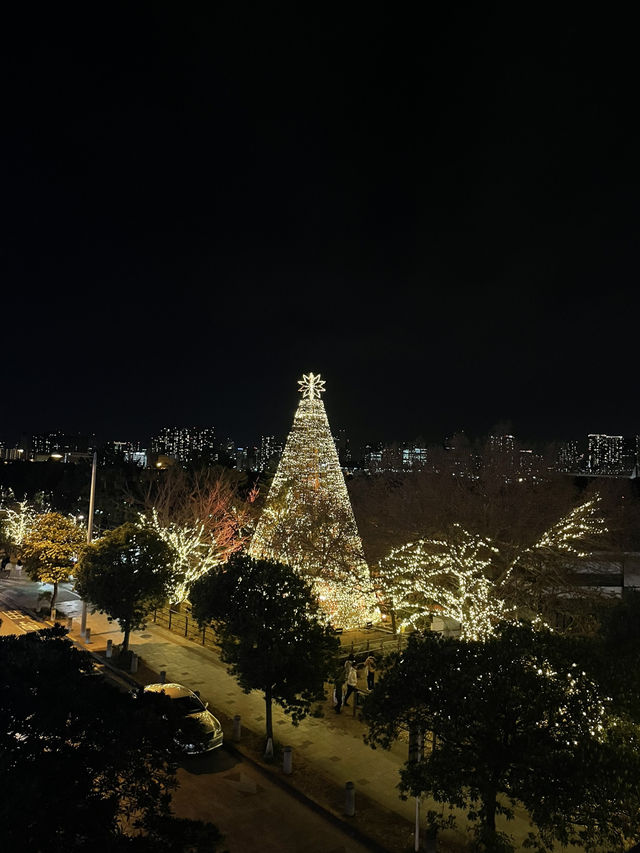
(186, 626)
(380, 646)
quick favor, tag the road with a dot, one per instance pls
(15, 621)
(253, 812)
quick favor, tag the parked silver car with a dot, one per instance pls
(191, 705)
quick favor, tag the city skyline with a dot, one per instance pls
(593, 453)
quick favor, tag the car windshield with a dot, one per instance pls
(188, 704)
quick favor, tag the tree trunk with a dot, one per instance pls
(489, 803)
(125, 641)
(267, 702)
(54, 595)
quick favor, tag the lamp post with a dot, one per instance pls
(92, 500)
(416, 753)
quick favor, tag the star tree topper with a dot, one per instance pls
(311, 386)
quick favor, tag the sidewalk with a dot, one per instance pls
(328, 751)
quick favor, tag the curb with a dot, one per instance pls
(354, 831)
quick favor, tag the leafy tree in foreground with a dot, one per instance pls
(266, 617)
(515, 720)
(84, 766)
(50, 549)
(126, 574)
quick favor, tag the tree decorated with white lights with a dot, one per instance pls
(18, 521)
(194, 551)
(449, 577)
(200, 516)
(307, 521)
(478, 582)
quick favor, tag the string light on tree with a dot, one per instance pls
(307, 521)
(462, 576)
(195, 552)
(19, 521)
(448, 577)
(577, 529)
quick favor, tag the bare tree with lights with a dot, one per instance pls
(478, 582)
(194, 551)
(200, 516)
(18, 521)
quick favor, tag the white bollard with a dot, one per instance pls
(134, 662)
(109, 651)
(350, 799)
(87, 635)
(287, 760)
(237, 728)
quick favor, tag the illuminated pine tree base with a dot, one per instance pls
(308, 522)
(345, 607)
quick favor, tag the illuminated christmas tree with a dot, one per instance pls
(307, 521)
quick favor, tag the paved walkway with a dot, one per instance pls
(332, 744)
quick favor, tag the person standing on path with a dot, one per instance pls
(352, 684)
(370, 666)
(338, 684)
(349, 662)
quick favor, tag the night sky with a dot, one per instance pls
(439, 214)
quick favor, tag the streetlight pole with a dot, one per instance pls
(416, 753)
(92, 501)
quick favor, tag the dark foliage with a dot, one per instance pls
(267, 619)
(83, 766)
(517, 719)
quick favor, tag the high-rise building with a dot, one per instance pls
(270, 449)
(124, 451)
(343, 447)
(569, 456)
(605, 453)
(502, 454)
(61, 442)
(502, 443)
(241, 458)
(414, 458)
(372, 457)
(185, 444)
